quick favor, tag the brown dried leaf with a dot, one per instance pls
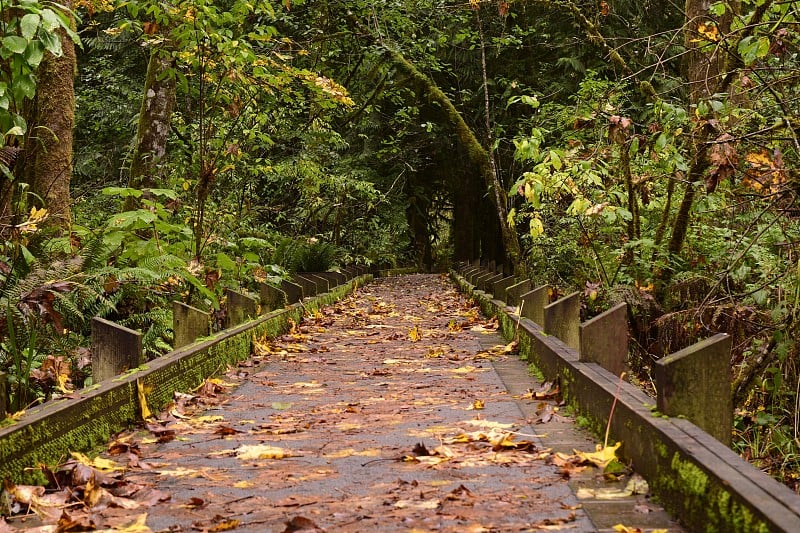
(302, 524)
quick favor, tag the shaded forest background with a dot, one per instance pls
(642, 151)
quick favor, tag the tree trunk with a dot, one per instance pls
(477, 155)
(705, 75)
(466, 190)
(158, 103)
(47, 164)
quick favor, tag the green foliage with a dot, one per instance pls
(311, 255)
(29, 30)
(108, 91)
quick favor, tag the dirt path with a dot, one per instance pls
(382, 413)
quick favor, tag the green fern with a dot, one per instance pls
(297, 256)
(156, 328)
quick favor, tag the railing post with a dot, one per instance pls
(115, 349)
(604, 339)
(293, 291)
(514, 292)
(240, 308)
(473, 277)
(270, 297)
(562, 318)
(480, 277)
(695, 382)
(309, 287)
(534, 302)
(499, 288)
(188, 324)
(487, 283)
(322, 283)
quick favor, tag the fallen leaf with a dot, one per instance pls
(194, 503)
(421, 505)
(544, 391)
(489, 424)
(434, 353)
(180, 472)
(625, 529)
(301, 523)
(261, 451)
(225, 525)
(605, 493)
(602, 457)
(420, 449)
(637, 485)
(551, 524)
(350, 452)
(226, 431)
(94, 495)
(138, 525)
(140, 393)
(104, 465)
(414, 334)
(458, 493)
(466, 369)
(476, 405)
(206, 419)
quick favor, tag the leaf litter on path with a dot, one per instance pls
(374, 436)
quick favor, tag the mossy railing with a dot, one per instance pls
(47, 433)
(697, 478)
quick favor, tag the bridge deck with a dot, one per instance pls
(397, 409)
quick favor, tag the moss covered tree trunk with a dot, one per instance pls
(47, 164)
(158, 102)
(476, 153)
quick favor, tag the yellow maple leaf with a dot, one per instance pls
(220, 382)
(627, 529)
(207, 419)
(465, 369)
(99, 463)
(37, 215)
(709, 31)
(506, 440)
(138, 525)
(433, 353)
(761, 159)
(62, 383)
(602, 457)
(261, 451)
(140, 393)
(476, 405)
(414, 334)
